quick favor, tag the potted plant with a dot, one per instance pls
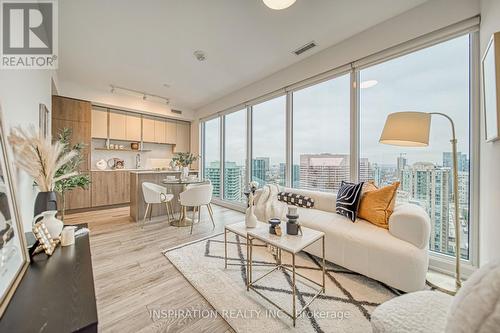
(184, 161)
(78, 180)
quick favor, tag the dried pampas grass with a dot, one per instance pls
(39, 157)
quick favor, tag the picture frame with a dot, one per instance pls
(490, 66)
(14, 259)
(43, 120)
(46, 242)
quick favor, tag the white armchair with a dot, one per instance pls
(156, 194)
(197, 196)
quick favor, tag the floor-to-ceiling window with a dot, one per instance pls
(318, 142)
(321, 118)
(235, 156)
(268, 141)
(434, 79)
(211, 152)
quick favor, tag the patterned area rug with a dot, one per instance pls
(346, 307)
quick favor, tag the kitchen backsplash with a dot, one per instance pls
(159, 156)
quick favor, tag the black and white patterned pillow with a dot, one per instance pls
(348, 199)
(296, 199)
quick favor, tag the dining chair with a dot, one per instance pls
(196, 197)
(157, 194)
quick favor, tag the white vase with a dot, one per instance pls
(250, 218)
(185, 172)
(53, 224)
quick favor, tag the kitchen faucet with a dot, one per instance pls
(138, 161)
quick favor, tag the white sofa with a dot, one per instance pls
(397, 257)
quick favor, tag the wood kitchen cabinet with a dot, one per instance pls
(170, 132)
(99, 123)
(183, 131)
(117, 126)
(160, 131)
(78, 198)
(148, 129)
(110, 188)
(133, 128)
(65, 108)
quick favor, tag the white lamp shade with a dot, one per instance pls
(278, 4)
(410, 129)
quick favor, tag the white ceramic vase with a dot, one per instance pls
(53, 224)
(250, 218)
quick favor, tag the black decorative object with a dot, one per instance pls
(45, 201)
(273, 223)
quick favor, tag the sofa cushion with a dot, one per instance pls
(296, 199)
(377, 204)
(324, 201)
(348, 199)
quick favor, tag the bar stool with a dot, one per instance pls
(156, 194)
(197, 196)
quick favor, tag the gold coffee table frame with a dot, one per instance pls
(280, 266)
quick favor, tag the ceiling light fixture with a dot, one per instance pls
(144, 95)
(200, 55)
(368, 84)
(278, 4)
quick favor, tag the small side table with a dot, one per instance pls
(240, 229)
(292, 245)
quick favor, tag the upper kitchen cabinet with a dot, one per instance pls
(170, 132)
(65, 108)
(99, 123)
(117, 125)
(183, 140)
(160, 131)
(148, 130)
(134, 128)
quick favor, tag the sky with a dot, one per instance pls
(435, 79)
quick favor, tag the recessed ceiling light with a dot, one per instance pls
(200, 55)
(278, 4)
(368, 84)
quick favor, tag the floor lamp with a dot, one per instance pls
(411, 129)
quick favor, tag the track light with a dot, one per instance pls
(140, 94)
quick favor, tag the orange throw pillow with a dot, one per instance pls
(377, 204)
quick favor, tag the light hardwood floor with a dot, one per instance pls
(132, 276)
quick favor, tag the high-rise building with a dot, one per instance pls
(233, 184)
(260, 169)
(295, 174)
(212, 172)
(401, 163)
(462, 161)
(427, 185)
(232, 180)
(323, 172)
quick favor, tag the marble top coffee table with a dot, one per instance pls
(292, 244)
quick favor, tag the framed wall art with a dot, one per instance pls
(14, 258)
(491, 88)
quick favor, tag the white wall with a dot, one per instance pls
(416, 22)
(489, 194)
(119, 99)
(21, 91)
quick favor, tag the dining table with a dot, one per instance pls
(183, 220)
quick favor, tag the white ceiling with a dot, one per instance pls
(143, 44)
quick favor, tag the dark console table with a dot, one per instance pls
(56, 294)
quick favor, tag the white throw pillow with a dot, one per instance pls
(476, 307)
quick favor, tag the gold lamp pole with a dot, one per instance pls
(411, 129)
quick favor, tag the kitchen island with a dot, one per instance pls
(137, 203)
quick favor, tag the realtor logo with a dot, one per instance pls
(29, 34)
